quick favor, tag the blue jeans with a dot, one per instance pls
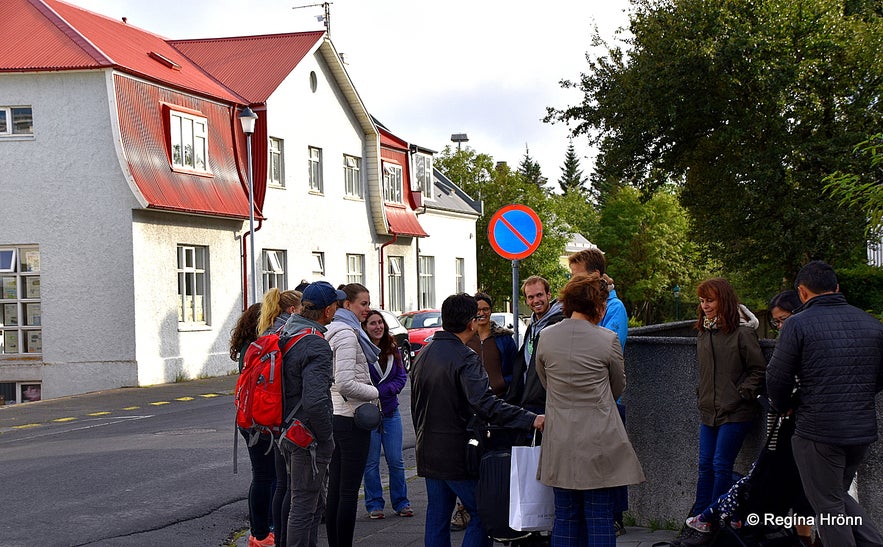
(718, 448)
(441, 496)
(583, 517)
(390, 438)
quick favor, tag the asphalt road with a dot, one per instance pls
(138, 466)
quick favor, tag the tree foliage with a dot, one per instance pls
(864, 191)
(499, 186)
(748, 105)
(530, 170)
(571, 179)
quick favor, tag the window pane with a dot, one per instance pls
(7, 260)
(4, 123)
(22, 121)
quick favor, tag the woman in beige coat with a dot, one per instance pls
(585, 451)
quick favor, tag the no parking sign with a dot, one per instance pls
(515, 231)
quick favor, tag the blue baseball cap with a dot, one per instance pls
(320, 295)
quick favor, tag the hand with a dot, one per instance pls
(540, 422)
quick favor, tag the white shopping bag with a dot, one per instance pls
(531, 503)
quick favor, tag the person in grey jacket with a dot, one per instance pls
(307, 369)
(836, 353)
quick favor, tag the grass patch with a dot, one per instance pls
(181, 376)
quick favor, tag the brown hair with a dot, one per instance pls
(585, 294)
(535, 279)
(387, 343)
(719, 289)
(276, 302)
(593, 260)
(245, 331)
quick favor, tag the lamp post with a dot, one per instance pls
(677, 292)
(459, 138)
(247, 117)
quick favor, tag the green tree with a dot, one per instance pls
(571, 179)
(866, 190)
(648, 250)
(748, 104)
(530, 170)
(500, 186)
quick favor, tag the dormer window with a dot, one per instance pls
(392, 182)
(188, 136)
(423, 164)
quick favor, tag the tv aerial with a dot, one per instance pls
(325, 19)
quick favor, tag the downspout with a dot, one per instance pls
(244, 254)
(395, 238)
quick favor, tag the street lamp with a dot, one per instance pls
(248, 118)
(677, 292)
(459, 138)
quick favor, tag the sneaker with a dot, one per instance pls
(460, 520)
(405, 511)
(619, 528)
(376, 514)
(698, 524)
(694, 538)
(268, 541)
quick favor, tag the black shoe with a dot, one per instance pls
(619, 528)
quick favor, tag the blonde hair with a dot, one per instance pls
(275, 302)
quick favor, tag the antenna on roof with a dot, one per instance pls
(321, 18)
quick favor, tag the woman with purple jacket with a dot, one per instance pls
(389, 376)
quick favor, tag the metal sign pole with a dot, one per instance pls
(515, 320)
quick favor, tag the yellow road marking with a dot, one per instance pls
(159, 403)
(209, 395)
(103, 413)
(25, 426)
(184, 399)
(132, 408)
(68, 419)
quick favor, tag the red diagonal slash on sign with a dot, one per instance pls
(514, 231)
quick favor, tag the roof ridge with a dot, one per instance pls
(68, 30)
(236, 38)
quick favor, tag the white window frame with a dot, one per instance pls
(459, 275)
(273, 269)
(18, 389)
(355, 268)
(184, 129)
(426, 282)
(21, 314)
(193, 285)
(395, 283)
(318, 264)
(352, 176)
(423, 174)
(392, 182)
(276, 162)
(314, 163)
(7, 118)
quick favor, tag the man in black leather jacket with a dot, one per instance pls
(448, 386)
(836, 352)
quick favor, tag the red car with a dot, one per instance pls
(421, 325)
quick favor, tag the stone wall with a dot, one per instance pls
(663, 424)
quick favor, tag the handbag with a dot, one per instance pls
(367, 416)
(531, 503)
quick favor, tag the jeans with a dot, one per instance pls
(260, 493)
(307, 493)
(826, 471)
(718, 448)
(281, 498)
(441, 496)
(344, 479)
(583, 517)
(390, 437)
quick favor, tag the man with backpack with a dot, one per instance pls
(308, 371)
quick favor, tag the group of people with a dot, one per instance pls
(820, 383)
(352, 361)
(565, 384)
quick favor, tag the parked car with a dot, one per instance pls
(400, 333)
(421, 325)
(504, 319)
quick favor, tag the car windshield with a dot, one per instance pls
(421, 320)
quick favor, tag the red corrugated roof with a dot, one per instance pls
(234, 61)
(402, 220)
(40, 35)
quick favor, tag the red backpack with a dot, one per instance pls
(259, 392)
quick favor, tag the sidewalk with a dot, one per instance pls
(394, 531)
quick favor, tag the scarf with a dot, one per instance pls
(347, 317)
(709, 324)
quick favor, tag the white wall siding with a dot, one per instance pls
(451, 236)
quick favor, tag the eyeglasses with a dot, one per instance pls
(777, 323)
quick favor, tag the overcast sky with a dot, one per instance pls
(487, 68)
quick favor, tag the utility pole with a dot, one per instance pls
(326, 19)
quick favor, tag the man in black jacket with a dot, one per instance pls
(448, 386)
(308, 368)
(525, 389)
(835, 351)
